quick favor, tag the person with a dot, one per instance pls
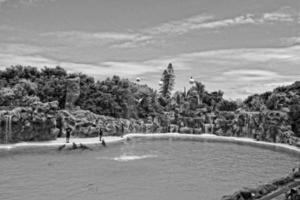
(100, 134)
(103, 143)
(68, 134)
(122, 128)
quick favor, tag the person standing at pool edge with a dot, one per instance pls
(122, 129)
(100, 134)
(68, 134)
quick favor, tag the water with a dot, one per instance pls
(148, 170)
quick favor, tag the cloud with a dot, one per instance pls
(18, 3)
(88, 35)
(238, 72)
(92, 38)
(277, 17)
(238, 56)
(250, 75)
(208, 22)
(21, 49)
(179, 26)
(163, 32)
(291, 41)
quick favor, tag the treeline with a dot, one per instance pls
(285, 99)
(22, 85)
(121, 98)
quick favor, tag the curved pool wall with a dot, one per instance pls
(221, 139)
(46, 146)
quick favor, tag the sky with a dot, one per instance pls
(241, 47)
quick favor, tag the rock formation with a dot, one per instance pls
(73, 92)
(266, 189)
(86, 124)
(34, 123)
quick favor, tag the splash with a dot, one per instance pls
(126, 158)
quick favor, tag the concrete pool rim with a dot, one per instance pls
(94, 142)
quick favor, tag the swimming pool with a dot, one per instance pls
(141, 169)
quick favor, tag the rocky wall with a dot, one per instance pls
(269, 125)
(87, 124)
(35, 123)
(73, 92)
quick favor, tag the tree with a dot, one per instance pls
(168, 82)
(226, 105)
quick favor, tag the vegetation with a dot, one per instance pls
(121, 98)
(168, 81)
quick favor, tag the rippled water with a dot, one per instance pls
(148, 170)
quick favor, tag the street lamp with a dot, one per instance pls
(160, 83)
(192, 81)
(138, 79)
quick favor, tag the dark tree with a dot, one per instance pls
(168, 82)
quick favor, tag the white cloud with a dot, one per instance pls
(18, 3)
(238, 72)
(159, 33)
(288, 54)
(248, 75)
(277, 17)
(203, 21)
(89, 35)
(179, 26)
(80, 38)
(206, 22)
(291, 41)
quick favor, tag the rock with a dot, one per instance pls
(186, 130)
(198, 131)
(173, 128)
(240, 195)
(268, 125)
(73, 92)
(35, 123)
(282, 181)
(149, 128)
(86, 124)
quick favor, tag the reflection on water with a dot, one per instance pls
(146, 170)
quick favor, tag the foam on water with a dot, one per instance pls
(126, 158)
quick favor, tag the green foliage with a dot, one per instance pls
(120, 98)
(22, 94)
(226, 105)
(50, 83)
(168, 82)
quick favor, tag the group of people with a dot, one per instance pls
(100, 135)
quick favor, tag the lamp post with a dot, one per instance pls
(138, 79)
(160, 83)
(191, 81)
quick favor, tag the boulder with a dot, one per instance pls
(186, 130)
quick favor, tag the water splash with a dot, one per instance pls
(126, 158)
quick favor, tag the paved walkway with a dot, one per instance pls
(61, 141)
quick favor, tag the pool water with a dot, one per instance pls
(148, 170)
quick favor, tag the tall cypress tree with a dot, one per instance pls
(168, 82)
